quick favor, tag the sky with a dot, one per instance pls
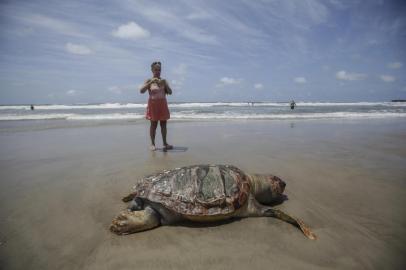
(64, 52)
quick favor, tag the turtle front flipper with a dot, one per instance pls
(135, 221)
(294, 221)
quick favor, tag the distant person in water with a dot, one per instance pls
(157, 108)
(32, 107)
(292, 104)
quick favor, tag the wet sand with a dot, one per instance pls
(61, 187)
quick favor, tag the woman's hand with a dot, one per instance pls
(146, 85)
(168, 90)
(154, 80)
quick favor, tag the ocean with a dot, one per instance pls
(207, 111)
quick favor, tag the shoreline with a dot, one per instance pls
(44, 124)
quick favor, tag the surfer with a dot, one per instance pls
(32, 107)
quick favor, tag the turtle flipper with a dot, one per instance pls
(269, 212)
(135, 221)
(255, 209)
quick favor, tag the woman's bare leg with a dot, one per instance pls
(163, 132)
(152, 132)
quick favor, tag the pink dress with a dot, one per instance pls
(157, 109)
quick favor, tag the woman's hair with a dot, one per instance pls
(155, 63)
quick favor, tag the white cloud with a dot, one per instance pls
(119, 89)
(115, 90)
(387, 78)
(347, 76)
(299, 14)
(56, 25)
(72, 92)
(300, 80)
(372, 42)
(77, 49)
(258, 86)
(199, 36)
(174, 22)
(198, 16)
(132, 31)
(179, 73)
(338, 4)
(176, 84)
(395, 65)
(228, 81)
(180, 69)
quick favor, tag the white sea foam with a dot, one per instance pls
(114, 116)
(284, 104)
(400, 104)
(15, 107)
(91, 106)
(349, 115)
(198, 105)
(52, 116)
(74, 107)
(206, 116)
(225, 104)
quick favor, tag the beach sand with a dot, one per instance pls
(61, 186)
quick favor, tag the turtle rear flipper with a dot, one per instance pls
(256, 209)
(294, 221)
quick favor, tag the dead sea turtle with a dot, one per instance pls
(202, 193)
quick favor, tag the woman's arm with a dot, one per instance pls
(146, 85)
(168, 90)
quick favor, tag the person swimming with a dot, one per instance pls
(292, 104)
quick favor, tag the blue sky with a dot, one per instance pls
(247, 50)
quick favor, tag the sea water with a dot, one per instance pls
(207, 111)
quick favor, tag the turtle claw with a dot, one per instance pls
(306, 230)
(122, 215)
(118, 223)
(311, 236)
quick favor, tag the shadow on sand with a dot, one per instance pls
(175, 149)
(191, 224)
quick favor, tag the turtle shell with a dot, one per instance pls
(200, 190)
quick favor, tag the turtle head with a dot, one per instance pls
(267, 188)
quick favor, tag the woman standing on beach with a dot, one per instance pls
(157, 108)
